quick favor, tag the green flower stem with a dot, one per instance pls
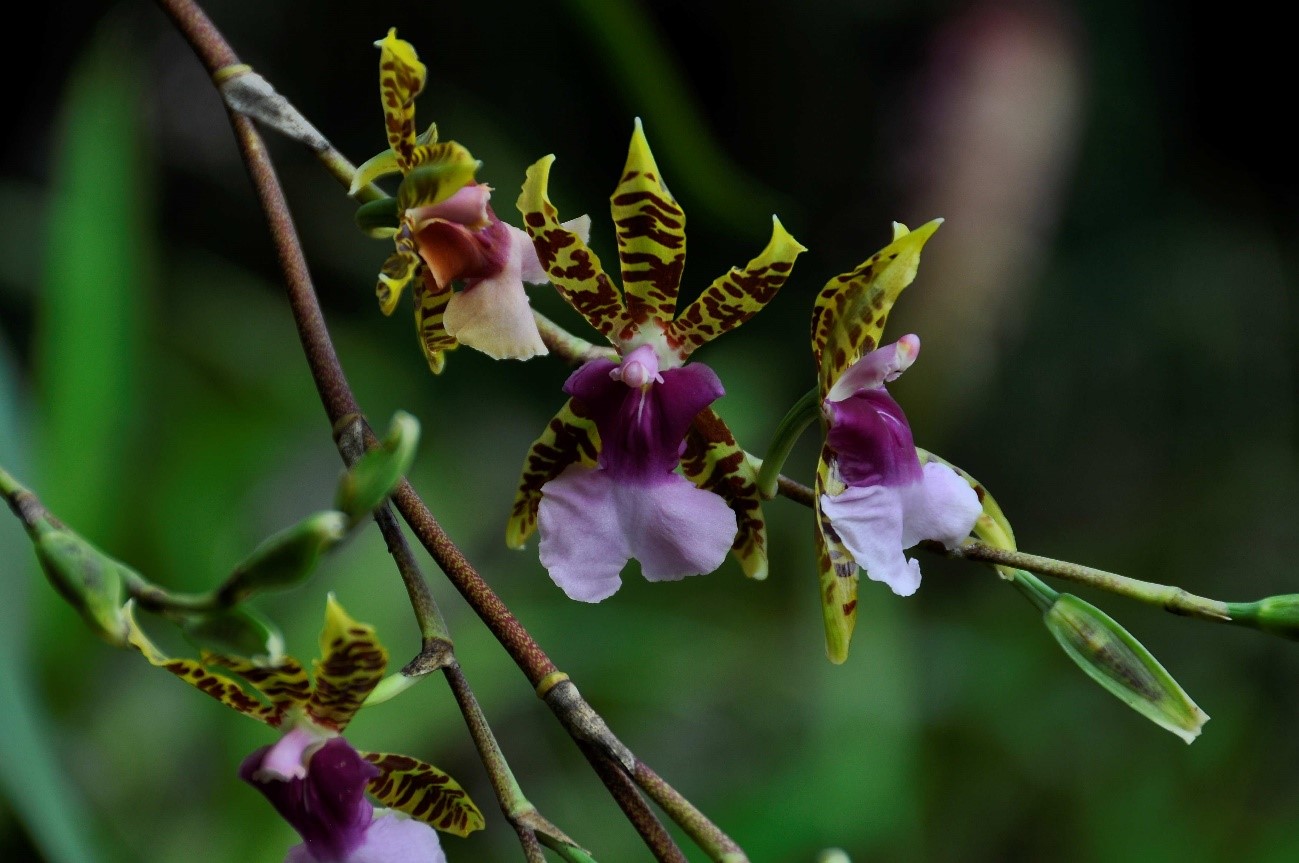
(24, 504)
(716, 844)
(339, 401)
(1167, 597)
(796, 419)
(567, 346)
(1034, 589)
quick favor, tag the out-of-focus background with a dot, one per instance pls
(1109, 326)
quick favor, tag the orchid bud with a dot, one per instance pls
(91, 581)
(286, 557)
(1278, 615)
(236, 632)
(1118, 662)
(375, 475)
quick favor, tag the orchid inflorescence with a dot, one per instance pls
(636, 464)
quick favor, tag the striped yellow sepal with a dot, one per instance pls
(651, 231)
(851, 310)
(838, 572)
(385, 164)
(402, 266)
(351, 664)
(573, 268)
(992, 526)
(435, 173)
(401, 78)
(569, 438)
(715, 462)
(424, 793)
(736, 296)
(434, 340)
(220, 687)
(286, 685)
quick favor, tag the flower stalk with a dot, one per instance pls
(802, 414)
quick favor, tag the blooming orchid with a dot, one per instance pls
(874, 498)
(448, 233)
(601, 482)
(312, 775)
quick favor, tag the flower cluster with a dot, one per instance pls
(312, 776)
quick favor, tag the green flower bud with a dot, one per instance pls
(373, 477)
(1118, 662)
(91, 581)
(236, 632)
(1278, 615)
(379, 218)
(285, 557)
(833, 855)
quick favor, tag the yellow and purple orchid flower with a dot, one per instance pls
(601, 482)
(874, 499)
(448, 233)
(312, 776)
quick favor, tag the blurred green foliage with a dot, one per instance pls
(1134, 407)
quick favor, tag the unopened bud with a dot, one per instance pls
(285, 557)
(1278, 615)
(91, 581)
(236, 632)
(1118, 662)
(379, 471)
(833, 855)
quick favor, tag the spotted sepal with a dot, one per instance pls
(434, 340)
(715, 462)
(424, 793)
(736, 296)
(351, 664)
(573, 268)
(220, 687)
(435, 173)
(286, 685)
(992, 526)
(570, 438)
(385, 164)
(401, 78)
(849, 315)
(651, 231)
(837, 570)
(396, 273)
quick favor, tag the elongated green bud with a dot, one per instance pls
(374, 475)
(285, 558)
(379, 218)
(1118, 662)
(1278, 615)
(91, 581)
(236, 632)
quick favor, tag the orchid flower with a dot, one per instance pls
(874, 499)
(448, 233)
(601, 482)
(312, 775)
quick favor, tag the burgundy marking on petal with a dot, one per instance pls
(872, 440)
(328, 807)
(452, 251)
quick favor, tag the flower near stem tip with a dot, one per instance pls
(313, 777)
(601, 482)
(448, 233)
(874, 499)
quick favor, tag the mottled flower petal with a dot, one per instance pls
(869, 521)
(592, 522)
(876, 368)
(532, 271)
(328, 806)
(492, 314)
(871, 438)
(942, 508)
(394, 838)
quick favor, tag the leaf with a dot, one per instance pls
(423, 792)
(351, 664)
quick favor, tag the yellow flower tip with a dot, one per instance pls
(782, 236)
(536, 181)
(899, 231)
(640, 158)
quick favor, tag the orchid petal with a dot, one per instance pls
(651, 233)
(394, 838)
(570, 438)
(287, 758)
(677, 529)
(423, 792)
(849, 315)
(837, 571)
(736, 296)
(872, 440)
(583, 544)
(531, 269)
(573, 268)
(434, 173)
(942, 508)
(401, 78)
(434, 340)
(493, 315)
(876, 368)
(714, 462)
(869, 522)
(398, 270)
(466, 207)
(285, 685)
(351, 664)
